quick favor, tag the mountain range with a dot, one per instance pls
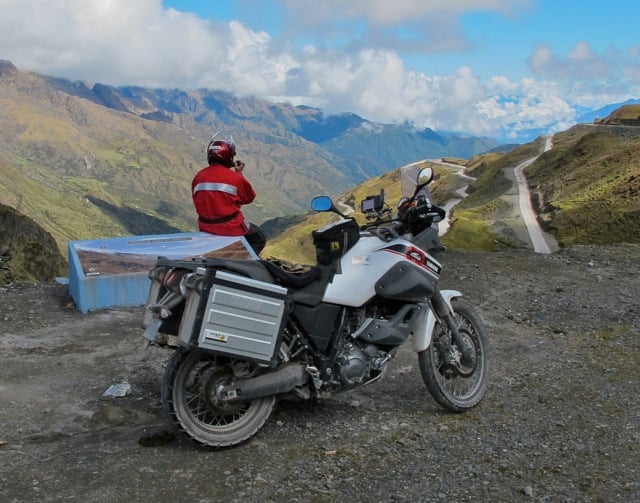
(90, 160)
(87, 161)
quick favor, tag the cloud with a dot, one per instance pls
(115, 41)
(580, 63)
(124, 42)
(408, 26)
(528, 104)
(388, 13)
(588, 77)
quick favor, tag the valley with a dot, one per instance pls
(84, 162)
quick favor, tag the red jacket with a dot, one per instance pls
(218, 192)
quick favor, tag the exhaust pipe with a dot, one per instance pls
(275, 383)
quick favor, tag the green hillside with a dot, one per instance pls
(588, 186)
(85, 171)
(89, 161)
(586, 190)
(627, 114)
(296, 244)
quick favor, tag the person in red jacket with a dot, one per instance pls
(219, 190)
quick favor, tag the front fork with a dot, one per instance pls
(440, 310)
(444, 312)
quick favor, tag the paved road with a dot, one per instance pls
(445, 224)
(536, 235)
(529, 218)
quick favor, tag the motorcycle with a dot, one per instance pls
(250, 331)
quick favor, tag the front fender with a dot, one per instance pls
(424, 326)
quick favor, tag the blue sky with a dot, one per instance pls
(489, 67)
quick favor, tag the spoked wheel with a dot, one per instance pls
(188, 396)
(455, 382)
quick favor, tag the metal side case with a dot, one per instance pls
(236, 316)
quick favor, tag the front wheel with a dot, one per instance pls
(455, 382)
(188, 396)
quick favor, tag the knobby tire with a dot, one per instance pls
(451, 390)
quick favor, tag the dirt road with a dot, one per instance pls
(561, 421)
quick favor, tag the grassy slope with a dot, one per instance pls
(85, 171)
(296, 244)
(587, 189)
(56, 156)
(588, 186)
(472, 225)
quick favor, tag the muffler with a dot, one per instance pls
(274, 383)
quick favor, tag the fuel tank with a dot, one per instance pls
(396, 270)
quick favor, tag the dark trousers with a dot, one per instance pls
(256, 238)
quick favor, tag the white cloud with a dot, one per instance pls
(389, 13)
(580, 63)
(124, 42)
(519, 106)
(115, 41)
(409, 26)
(589, 78)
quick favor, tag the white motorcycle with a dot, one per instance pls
(249, 331)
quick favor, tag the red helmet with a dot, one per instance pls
(221, 151)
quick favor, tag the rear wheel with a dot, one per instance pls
(455, 382)
(188, 396)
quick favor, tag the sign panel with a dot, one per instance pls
(113, 272)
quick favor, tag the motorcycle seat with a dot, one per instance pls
(250, 268)
(292, 275)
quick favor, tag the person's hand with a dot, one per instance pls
(239, 166)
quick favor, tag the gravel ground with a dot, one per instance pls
(560, 423)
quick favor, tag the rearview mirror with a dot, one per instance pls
(425, 177)
(321, 203)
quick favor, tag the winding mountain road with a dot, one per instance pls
(536, 235)
(524, 209)
(444, 225)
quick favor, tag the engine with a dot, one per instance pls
(359, 363)
(369, 341)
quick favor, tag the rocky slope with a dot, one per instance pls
(27, 251)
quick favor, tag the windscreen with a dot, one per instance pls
(408, 177)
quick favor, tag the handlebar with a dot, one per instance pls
(412, 221)
(383, 231)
